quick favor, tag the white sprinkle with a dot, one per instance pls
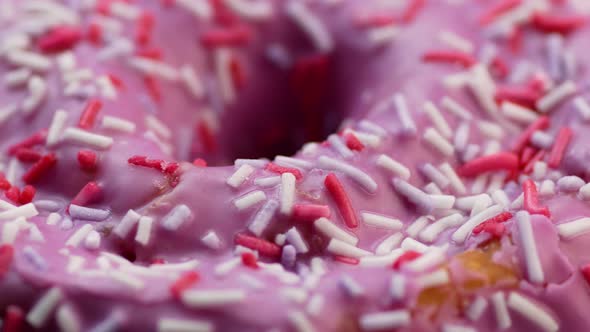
(79, 235)
(477, 308)
(256, 163)
(118, 124)
(56, 127)
(351, 286)
(411, 244)
(144, 230)
(381, 221)
(455, 108)
(418, 225)
(223, 58)
(180, 215)
(76, 135)
(263, 217)
(10, 231)
(240, 176)
(294, 294)
(35, 234)
(67, 319)
(290, 161)
(461, 234)
(315, 305)
(430, 233)
(127, 223)
(311, 25)
(533, 312)
(212, 298)
(547, 188)
(154, 68)
(432, 189)
(37, 93)
(107, 88)
(382, 261)
(584, 192)
(470, 152)
(269, 181)
(570, 183)
(434, 175)
(75, 263)
(124, 10)
(436, 278)
(442, 202)
(300, 322)
(437, 119)
(381, 36)
(533, 263)
(413, 194)
(461, 137)
(17, 77)
(33, 61)
(295, 239)
(345, 249)
(332, 231)
(582, 107)
(397, 286)
(92, 240)
(491, 130)
(405, 117)
(385, 320)
(126, 279)
(184, 325)
(287, 193)
(388, 244)
(90, 214)
(212, 240)
(250, 199)
(454, 179)
(502, 315)
(541, 140)
(199, 8)
(40, 312)
(574, 228)
(354, 173)
(372, 128)
(428, 260)
(251, 10)
(337, 144)
(6, 112)
(518, 113)
(453, 40)
(192, 82)
(25, 211)
(481, 203)
(556, 96)
(171, 267)
(226, 266)
(158, 127)
(393, 166)
(438, 142)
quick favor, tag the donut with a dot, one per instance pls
(296, 165)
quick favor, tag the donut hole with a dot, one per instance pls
(279, 111)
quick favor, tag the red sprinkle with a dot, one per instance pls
(117, 82)
(250, 260)
(501, 161)
(157, 164)
(13, 319)
(353, 143)
(94, 33)
(550, 23)
(496, 10)
(29, 142)
(562, 140)
(264, 248)
(346, 260)
(90, 193)
(586, 272)
(237, 73)
(59, 39)
(540, 124)
(4, 184)
(88, 160)
(27, 155)
(27, 194)
(40, 168)
(150, 53)
(412, 10)
(524, 96)
(515, 40)
(528, 168)
(206, 136)
(153, 87)
(531, 199)
(310, 212)
(13, 194)
(494, 225)
(499, 67)
(526, 155)
(336, 190)
(185, 281)
(89, 114)
(145, 25)
(464, 59)
(6, 255)
(232, 36)
(272, 167)
(375, 20)
(406, 257)
(199, 162)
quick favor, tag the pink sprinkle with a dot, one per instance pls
(40, 168)
(272, 167)
(524, 96)
(494, 225)
(27, 194)
(412, 10)
(310, 212)
(232, 36)
(406, 257)
(264, 248)
(501, 161)
(13, 319)
(376, 20)
(540, 124)
(90, 193)
(59, 39)
(336, 190)
(562, 140)
(499, 8)
(464, 59)
(6, 256)
(353, 143)
(88, 160)
(185, 281)
(550, 23)
(346, 260)
(250, 260)
(89, 114)
(531, 199)
(199, 162)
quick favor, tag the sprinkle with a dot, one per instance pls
(458, 57)
(144, 230)
(437, 119)
(397, 286)
(502, 315)
(34, 61)
(393, 166)
(559, 24)
(533, 263)
(570, 183)
(540, 124)
(541, 140)
(332, 231)
(556, 96)
(418, 225)
(498, 9)
(250, 199)
(372, 128)
(412, 194)
(428, 260)
(582, 107)
(572, 229)
(289, 161)
(454, 179)
(126, 279)
(311, 25)
(6, 257)
(92, 240)
(295, 239)
(199, 299)
(256, 11)
(158, 127)
(562, 140)
(13, 319)
(381, 221)
(90, 214)
(287, 193)
(404, 258)
(40, 312)
(441, 144)
(477, 308)
(384, 260)
(67, 319)
(345, 249)
(79, 235)
(89, 114)
(310, 212)
(240, 176)
(352, 288)
(437, 278)
(339, 195)
(88, 160)
(17, 77)
(263, 217)
(461, 234)
(6, 112)
(382, 35)
(336, 143)
(23, 211)
(289, 256)
(118, 124)
(184, 325)
(300, 322)
(533, 312)
(385, 320)
(531, 201)
(354, 173)
(177, 217)
(495, 162)
(200, 9)
(453, 40)
(37, 93)
(83, 137)
(265, 248)
(431, 232)
(519, 113)
(405, 117)
(457, 328)
(455, 108)
(184, 282)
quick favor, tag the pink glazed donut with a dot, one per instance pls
(294, 165)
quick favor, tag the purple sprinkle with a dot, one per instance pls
(84, 213)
